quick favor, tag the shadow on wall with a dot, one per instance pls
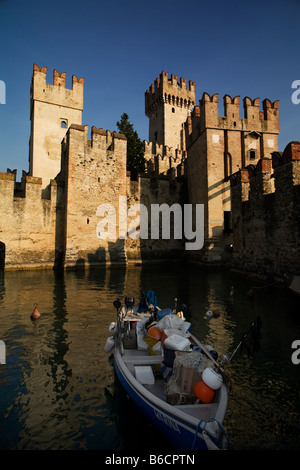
(101, 257)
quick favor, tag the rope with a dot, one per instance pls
(196, 432)
(208, 438)
(223, 434)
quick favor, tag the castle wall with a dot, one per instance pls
(28, 223)
(266, 215)
(152, 190)
(94, 172)
(63, 230)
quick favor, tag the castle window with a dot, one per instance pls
(98, 180)
(63, 124)
(87, 220)
(228, 165)
(227, 222)
(252, 154)
(173, 110)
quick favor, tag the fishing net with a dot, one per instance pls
(187, 370)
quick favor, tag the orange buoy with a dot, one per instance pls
(203, 392)
(35, 314)
(154, 333)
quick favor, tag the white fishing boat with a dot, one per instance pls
(172, 377)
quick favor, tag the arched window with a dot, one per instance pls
(63, 124)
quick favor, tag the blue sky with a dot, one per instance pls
(120, 47)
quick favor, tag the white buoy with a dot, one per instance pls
(110, 342)
(211, 378)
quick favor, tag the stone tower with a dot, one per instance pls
(219, 146)
(53, 108)
(167, 105)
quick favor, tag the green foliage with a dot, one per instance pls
(135, 147)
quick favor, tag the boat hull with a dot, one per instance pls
(179, 431)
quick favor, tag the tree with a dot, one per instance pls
(135, 148)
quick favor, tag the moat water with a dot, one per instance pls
(58, 389)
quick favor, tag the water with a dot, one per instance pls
(58, 389)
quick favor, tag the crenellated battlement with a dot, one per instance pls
(152, 149)
(30, 187)
(100, 138)
(164, 81)
(231, 106)
(106, 139)
(161, 158)
(59, 79)
(56, 93)
(170, 91)
(257, 180)
(207, 115)
(283, 169)
(266, 120)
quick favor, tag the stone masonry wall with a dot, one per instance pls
(94, 173)
(266, 215)
(149, 190)
(28, 223)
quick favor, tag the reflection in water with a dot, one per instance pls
(58, 389)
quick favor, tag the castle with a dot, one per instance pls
(194, 155)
